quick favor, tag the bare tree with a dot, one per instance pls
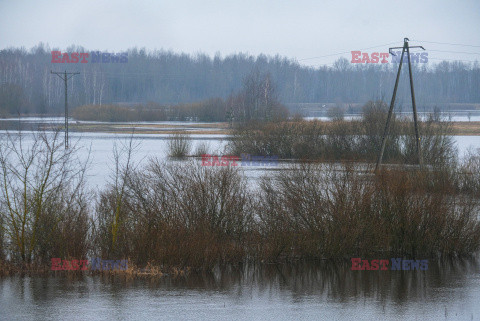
(41, 195)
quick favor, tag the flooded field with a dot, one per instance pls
(99, 145)
(98, 148)
(300, 291)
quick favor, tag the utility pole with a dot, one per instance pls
(65, 76)
(405, 48)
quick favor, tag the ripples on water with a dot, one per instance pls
(301, 291)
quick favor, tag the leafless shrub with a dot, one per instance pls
(348, 140)
(470, 173)
(318, 211)
(179, 145)
(43, 203)
(183, 215)
(336, 113)
(112, 229)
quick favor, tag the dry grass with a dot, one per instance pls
(466, 128)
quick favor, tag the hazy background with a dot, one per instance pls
(296, 29)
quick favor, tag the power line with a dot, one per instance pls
(345, 52)
(433, 42)
(459, 52)
(442, 59)
(450, 44)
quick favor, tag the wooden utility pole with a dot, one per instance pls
(65, 76)
(405, 48)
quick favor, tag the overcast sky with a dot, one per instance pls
(296, 29)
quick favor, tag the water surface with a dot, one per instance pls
(320, 291)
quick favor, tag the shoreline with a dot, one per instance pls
(12, 270)
(458, 128)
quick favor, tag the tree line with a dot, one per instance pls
(168, 78)
(257, 100)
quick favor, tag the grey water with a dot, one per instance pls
(320, 291)
(98, 149)
(301, 291)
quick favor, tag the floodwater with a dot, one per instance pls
(98, 149)
(156, 146)
(454, 115)
(301, 291)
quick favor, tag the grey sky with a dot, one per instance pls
(296, 29)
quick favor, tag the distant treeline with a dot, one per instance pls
(256, 100)
(164, 77)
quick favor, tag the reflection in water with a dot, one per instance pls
(447, 290)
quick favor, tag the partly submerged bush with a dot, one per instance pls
(43, 203)
(181, 215)
(179, 145)
(317, 211)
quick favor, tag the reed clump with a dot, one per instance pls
(179, 145)
(357, 140)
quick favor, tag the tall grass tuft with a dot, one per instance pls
(179, 145)
(202, 149)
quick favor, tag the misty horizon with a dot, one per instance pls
(310, 32)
